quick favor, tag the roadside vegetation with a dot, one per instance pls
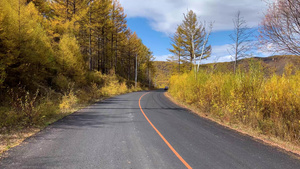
(57, 56)
(262, 94)
(269, 104)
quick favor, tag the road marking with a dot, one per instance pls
(165, 140)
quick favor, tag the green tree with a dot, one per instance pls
(177, 48)
(193, 36)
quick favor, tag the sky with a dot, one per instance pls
(155, 21)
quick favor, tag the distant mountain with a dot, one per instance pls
(272, 64)
(163, 73)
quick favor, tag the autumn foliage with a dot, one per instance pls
(268, 104)
(55, 55)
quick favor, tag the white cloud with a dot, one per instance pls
(165, 15)
(162, 57)
(220, 54)
(221, 50)
(267, 50)
(227, 58)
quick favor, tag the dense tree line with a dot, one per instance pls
(44, 42)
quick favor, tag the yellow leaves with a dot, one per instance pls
(114, 88)
(29, 31)
(270, 104)
(70, 56)
(288, 69)
(68, 102)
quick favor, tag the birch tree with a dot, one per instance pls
(204, 45)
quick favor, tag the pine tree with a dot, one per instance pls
(68, 10)
(102, 26)
(70, 58)
(28, 49)
(193, 36)
(119, 27)
(43, 7)
(177, 50)
(52, 43)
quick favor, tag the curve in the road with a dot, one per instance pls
(115, 133)
(162, 137)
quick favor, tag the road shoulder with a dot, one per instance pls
(289, 148)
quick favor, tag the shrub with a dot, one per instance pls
(61, 82)
(24, 106)
(268, 104)
(68, 102)
(37, 109)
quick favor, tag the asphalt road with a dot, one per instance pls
(115, 133)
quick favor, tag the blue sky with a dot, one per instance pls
(158, 42)
(155, 21)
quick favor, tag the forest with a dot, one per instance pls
(56, 55)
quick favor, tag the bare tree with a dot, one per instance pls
(241, 38)
(204, 44)
(281, 26)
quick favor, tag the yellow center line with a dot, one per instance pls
(165, 140)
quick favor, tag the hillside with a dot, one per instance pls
(163, 73)
(270, 64)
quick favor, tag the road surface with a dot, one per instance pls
(130, 131)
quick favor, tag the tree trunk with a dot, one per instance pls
(103, 53)
(128, 73)
(116, 55)
(179, 62)
(149, 71)
(74, 7)
(99, 59)
(136, 70)
(67, 10)
(90, 40)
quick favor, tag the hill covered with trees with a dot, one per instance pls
(273, 64)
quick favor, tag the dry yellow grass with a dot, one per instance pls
(13, 130)
(14, 138)
(286, 146)
(268, 104)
